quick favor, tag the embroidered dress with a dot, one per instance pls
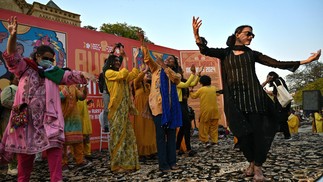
(45, 128)
(73, 122)
(123, 147)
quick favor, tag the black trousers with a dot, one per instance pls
(283, 121)
(253, 144)
(185, 130)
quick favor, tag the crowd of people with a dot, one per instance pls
(49, 111)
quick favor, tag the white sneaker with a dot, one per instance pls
(12, 172)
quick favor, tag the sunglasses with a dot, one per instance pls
(47, 58)
(249, 34)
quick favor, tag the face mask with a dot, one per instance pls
(45, 63)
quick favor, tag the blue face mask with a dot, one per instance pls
(45, 63)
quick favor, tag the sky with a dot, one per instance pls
(285, 29)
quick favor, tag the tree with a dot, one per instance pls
(302, 77)
(123, 30)
(90, 27)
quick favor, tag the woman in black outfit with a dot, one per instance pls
(248, 108)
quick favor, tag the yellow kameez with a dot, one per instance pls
(123, 147)
(209, 113)
(87, 126)
(293, 123)
(144, 126)
(318, 122)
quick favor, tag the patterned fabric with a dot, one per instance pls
(73, 122)
(123, 147)
(122, 141)
(46, 128)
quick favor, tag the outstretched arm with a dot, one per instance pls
(315, 56)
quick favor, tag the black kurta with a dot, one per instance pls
(242, 90)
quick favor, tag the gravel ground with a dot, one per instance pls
(299, 159)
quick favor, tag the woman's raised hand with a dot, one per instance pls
(196, 23)
(12, 25)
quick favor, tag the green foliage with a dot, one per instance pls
(304, 75)
(90, 27)
(315, 85)
(123, 30)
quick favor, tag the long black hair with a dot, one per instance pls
(232, 38)
(109, 63)
(176, 66)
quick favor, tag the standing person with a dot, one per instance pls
(86, 127)
(318, 121)
(43, 130)
(282, 111)
(245, 102)
(293, 122)
(102, 86)
(73, 128)
(165, 107)
(183, 94)
(209, 116)
(7, 99)
(143, 123)
(123, 147)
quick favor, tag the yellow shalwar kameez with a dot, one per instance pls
(319, 122)
(209, 113)
(293, 124)
(123, 146)
(86, 127)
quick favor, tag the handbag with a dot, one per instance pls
(20, 116)
(283, 96)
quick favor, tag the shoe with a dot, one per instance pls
(180, 152)
(174, 167)
(288, 138)
(83, 165)
(12, 172)
(192, 153)
(89, 157)
(65, 168)
(166, 170)
(106, 129)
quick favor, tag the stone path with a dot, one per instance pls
(299, 159)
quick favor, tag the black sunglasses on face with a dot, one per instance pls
(250, 34)
(47, 58)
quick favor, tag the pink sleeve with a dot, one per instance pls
(73, 77)
(15, 63)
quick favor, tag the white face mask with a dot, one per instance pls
(45, 63)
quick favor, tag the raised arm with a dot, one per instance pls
(12, 28)
(172, 75)
(196, 26)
